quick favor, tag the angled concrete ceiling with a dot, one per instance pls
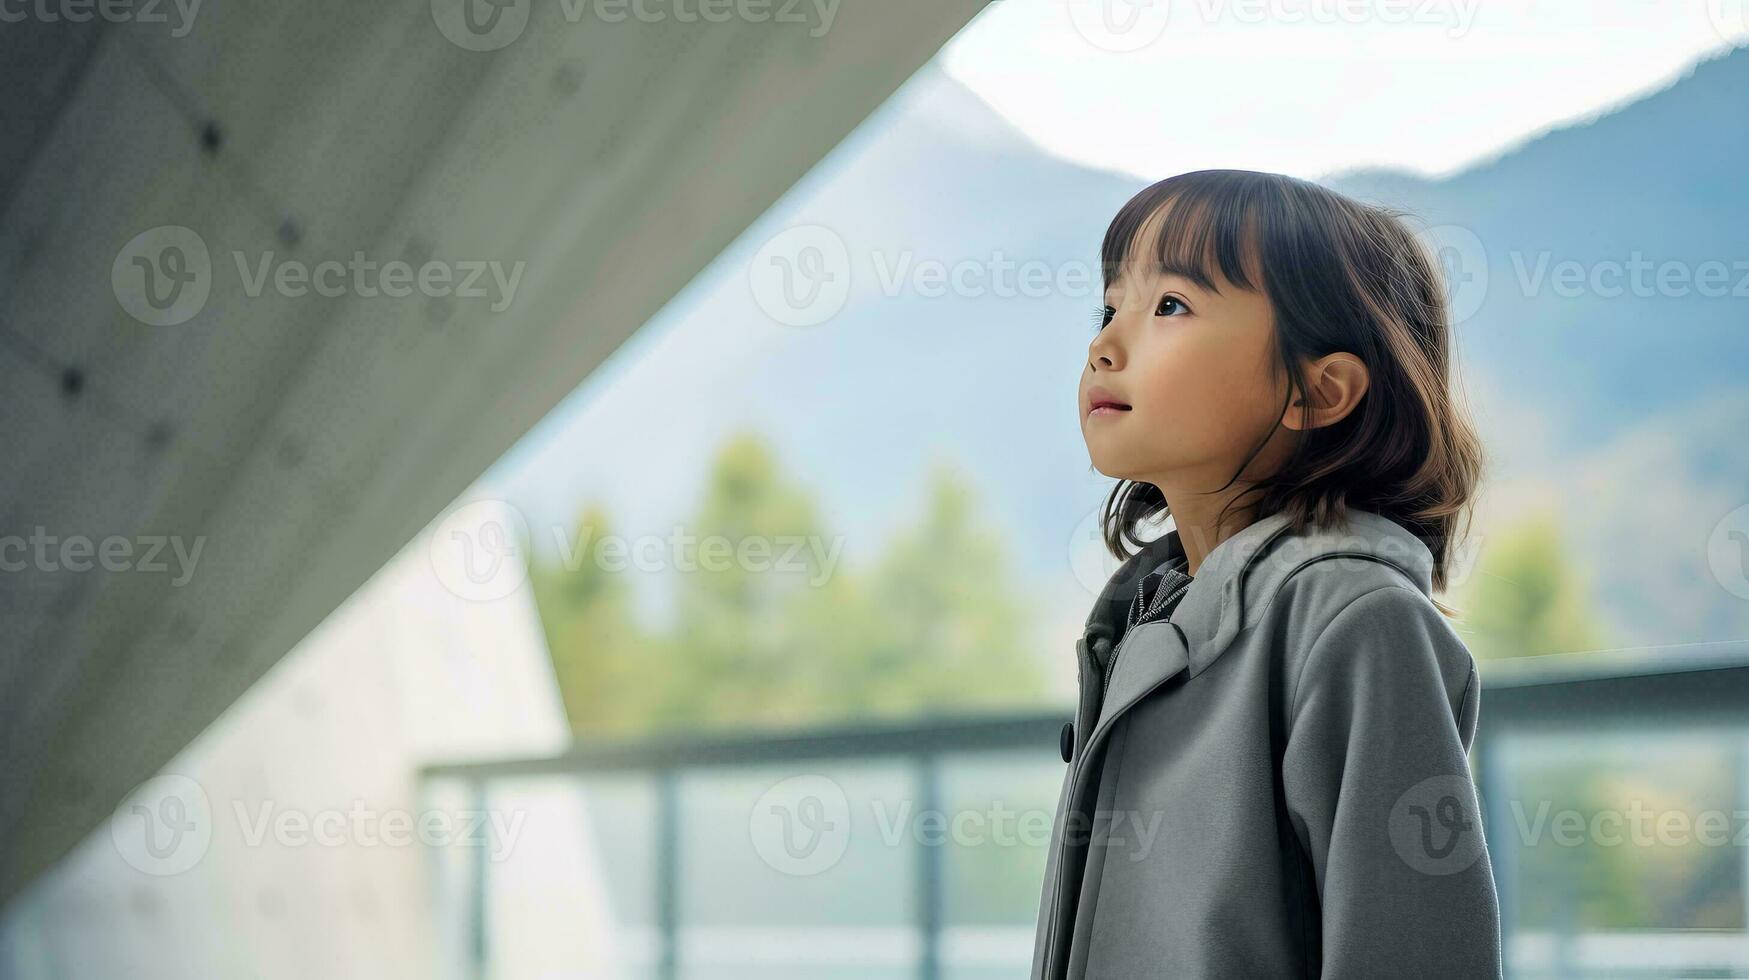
(299, 441)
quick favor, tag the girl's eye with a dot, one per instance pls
(1169, 302)
(1102, 317)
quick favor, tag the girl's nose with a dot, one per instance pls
(1102, 354)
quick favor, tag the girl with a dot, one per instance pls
(1267, 771)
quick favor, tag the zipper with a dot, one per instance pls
(1161, 599)
(1160, 604)
(1147, 617)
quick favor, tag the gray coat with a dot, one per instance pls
(1274, 782)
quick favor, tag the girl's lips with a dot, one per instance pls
(1103, 401)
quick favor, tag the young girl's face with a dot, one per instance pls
(1197, 370)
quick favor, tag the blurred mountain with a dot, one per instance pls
(1660, 180)
(1638, 394)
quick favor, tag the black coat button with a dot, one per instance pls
(1067, 741)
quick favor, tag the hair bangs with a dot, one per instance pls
(1189, 226)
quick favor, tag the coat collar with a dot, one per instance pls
(1237, 578)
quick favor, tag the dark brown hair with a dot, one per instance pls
(1340, 275)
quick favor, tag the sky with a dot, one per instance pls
(1495, 72)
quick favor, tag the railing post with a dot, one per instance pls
(1495, 786)
(477, 894)
(1740, 805)
(929, 877)
(667, 874)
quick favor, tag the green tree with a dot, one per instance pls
(600, 654)
(772, 627)
(942, 624)
(1527, 597)
(759, 547)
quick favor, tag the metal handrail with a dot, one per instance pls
(928, 734)
(1699, 676)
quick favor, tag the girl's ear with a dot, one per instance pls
(1335, 384)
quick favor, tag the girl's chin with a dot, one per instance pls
(1105, 467)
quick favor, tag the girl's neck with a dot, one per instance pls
(1194, 514)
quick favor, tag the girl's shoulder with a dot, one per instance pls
(1362, 629)
(1364, 587)
(1319, 571)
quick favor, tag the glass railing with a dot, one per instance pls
(1615, 791)
(1616, 797)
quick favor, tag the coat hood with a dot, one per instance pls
(1237, 579)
